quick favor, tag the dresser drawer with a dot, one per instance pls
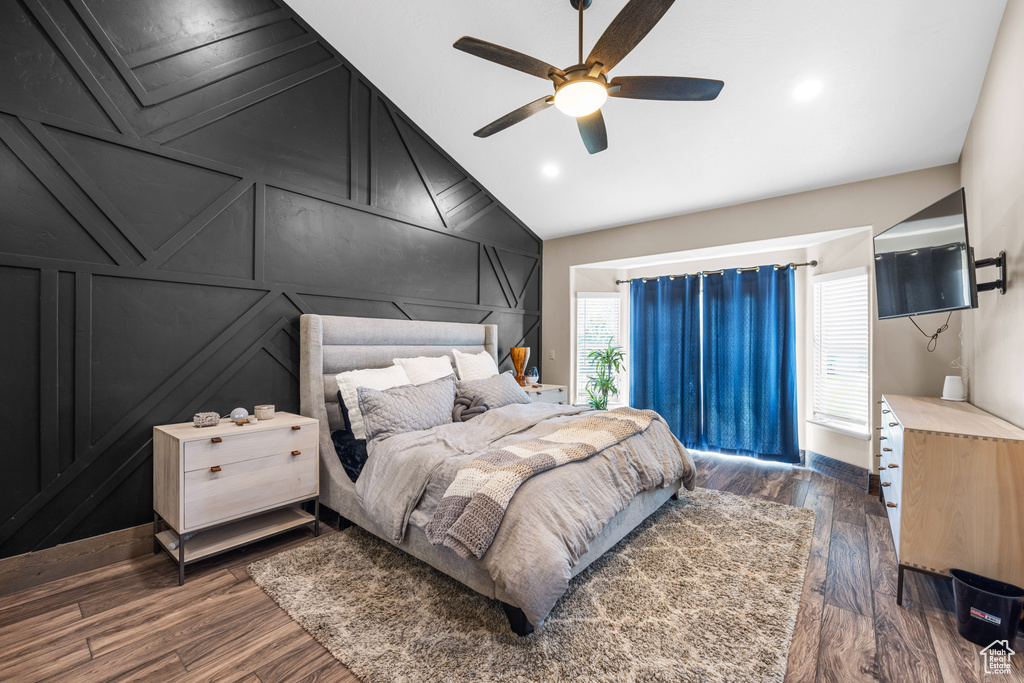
(891, 445)
(247, 486)
(557, 395)
(894, 525)
(202, 455)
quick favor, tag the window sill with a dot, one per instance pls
(848, 430)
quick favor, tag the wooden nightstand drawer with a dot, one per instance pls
(547, 393)
(202, 455)
(248, 486)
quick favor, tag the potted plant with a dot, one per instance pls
(608, 362)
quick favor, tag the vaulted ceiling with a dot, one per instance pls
(900, 82)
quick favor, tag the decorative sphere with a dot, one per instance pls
(239, 414)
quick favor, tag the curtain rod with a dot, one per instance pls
(809, 264)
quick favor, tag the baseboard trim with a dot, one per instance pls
(837, 469)
(31, 569)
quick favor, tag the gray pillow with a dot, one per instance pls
(499, 390)
(407, 408)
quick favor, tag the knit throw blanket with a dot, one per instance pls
(468, 516)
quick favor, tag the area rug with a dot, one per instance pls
(706, 589)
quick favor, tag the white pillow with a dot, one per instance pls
(349, 383)
(423, 369)
(475, 365)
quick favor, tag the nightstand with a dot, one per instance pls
(233, 485)
(548, 393)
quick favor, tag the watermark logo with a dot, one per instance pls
(997, 657)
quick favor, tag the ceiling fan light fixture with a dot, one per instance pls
(581, 97)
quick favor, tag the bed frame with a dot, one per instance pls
(333, 344)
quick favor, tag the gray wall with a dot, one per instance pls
(178, 183)
(992, 172)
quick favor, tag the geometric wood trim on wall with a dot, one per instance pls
(176, 191)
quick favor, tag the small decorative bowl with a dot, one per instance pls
(265, 412)
(206, 419)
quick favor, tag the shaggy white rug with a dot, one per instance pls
(707, 589)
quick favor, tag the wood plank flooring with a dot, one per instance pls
(131, 622)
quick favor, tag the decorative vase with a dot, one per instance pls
(520, 354)
(532, 376)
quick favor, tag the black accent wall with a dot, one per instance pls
(179, 181)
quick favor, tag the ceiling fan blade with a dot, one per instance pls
(665, 88)
(626, 31)
(595, 135)
(506, 57)
(513, 117)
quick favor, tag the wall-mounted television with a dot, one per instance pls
(925, 264)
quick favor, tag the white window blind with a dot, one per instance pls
(841, 346)
(597, 321)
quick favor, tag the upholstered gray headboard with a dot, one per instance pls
(333, 344)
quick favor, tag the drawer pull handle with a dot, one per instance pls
(892, 505)
(893, 466)
(878, 455)
(296, 452)
(216, 439)
(882, 438)
(879, 428)
(296, 426)
(215, 468)
(561, 388)
(878, 402)
(893, 424)
(885, 483)
(885, 412)
(887, 449)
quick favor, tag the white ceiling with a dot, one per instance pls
(901, 79)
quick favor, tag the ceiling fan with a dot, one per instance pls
(581, 89)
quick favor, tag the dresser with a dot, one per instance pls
(952, 480)
(548, 393)
(232, 485)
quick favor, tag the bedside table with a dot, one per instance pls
(233, 484)
(548, 393)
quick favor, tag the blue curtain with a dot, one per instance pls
(749, 346)
(665, 353)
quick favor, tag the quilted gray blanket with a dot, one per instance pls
(474, 504)
(550, 522)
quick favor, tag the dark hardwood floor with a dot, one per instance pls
(131, 622)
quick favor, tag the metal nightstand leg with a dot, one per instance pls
(316, 516)
(156, 530)
(181, 562)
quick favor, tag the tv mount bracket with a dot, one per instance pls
(999, 284)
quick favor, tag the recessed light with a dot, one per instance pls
(807, 90)
(550, 170)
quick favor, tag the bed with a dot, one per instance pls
(333, 344)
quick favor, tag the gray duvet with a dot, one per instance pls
(551, 519)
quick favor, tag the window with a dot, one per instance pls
(598, 317)
(841, 343)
